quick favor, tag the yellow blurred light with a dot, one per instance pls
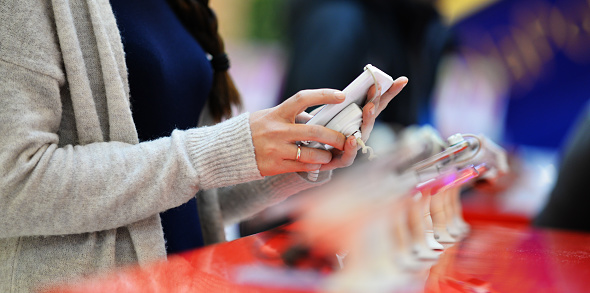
(527, 50)
(558, 27)
(232, 16)
(454, 10)
(540, 41)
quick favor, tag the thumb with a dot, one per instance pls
(304, 99)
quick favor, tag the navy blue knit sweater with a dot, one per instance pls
(170, 78)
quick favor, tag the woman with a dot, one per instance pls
(79, 193)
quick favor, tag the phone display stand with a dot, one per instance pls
(396, 220)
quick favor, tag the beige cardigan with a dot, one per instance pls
(78, 194)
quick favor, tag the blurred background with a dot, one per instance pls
(517, 71)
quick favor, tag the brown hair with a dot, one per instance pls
(200, 20)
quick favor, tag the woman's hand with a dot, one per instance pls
(377, 104)
(274, 134)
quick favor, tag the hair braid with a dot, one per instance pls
(200, 20)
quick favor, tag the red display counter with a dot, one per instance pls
(492, 258)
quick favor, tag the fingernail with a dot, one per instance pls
(353, 143)
(372, 110)
(340, 95)
(403, 80)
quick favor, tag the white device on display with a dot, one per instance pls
(347, 117)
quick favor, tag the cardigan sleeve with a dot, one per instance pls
(48, 189)
(242, 201)
(234, 203)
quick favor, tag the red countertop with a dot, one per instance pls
(493, 258)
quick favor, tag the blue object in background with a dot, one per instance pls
(545, 47)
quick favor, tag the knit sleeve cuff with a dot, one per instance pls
(285, 185)
(223, 154)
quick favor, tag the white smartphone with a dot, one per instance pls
(356, 92)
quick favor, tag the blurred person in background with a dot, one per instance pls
(330, 41)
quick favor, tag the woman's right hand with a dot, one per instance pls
(275, 133)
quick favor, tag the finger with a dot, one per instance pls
(350, 151)
(345, 158)
(289, 166)
(306, 154)
(395, 89)
(310, 155)
(369, 115)
(304, 99)
(304, 132)
(374, 94)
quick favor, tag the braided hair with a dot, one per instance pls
(200, 20)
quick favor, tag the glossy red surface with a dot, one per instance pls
(210, 269)
(514, 259)
(491, 259)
